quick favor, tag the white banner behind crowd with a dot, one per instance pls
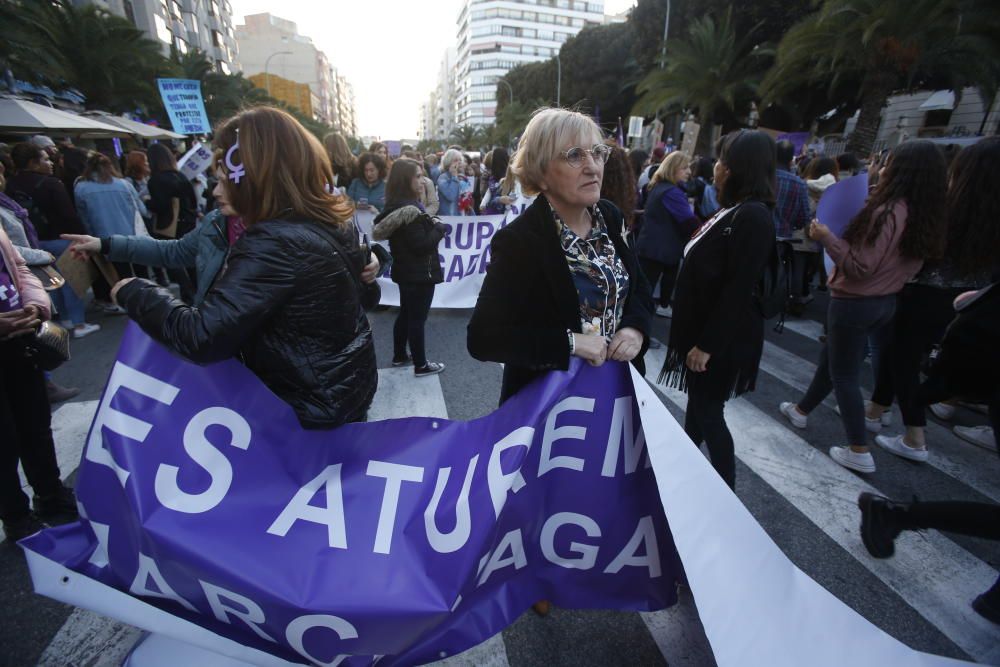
(464, 255)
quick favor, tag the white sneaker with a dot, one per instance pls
(943, 411)
(66, 324)
(897, 446)
(85, 329)
(112, 309)
(797, 419)
(873, 425)
(981, 436)
(664, 311)
(853, 460)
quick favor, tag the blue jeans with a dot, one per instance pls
(67, 303)
(850, 323)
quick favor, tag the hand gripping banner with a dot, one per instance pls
(408, 538)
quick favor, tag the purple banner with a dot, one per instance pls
(839, 204)
(410, 538)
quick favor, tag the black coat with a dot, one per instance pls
(714, 304)
(288, 307)
(413, 241)
(528, 299)
(661, 237)
(164, 186)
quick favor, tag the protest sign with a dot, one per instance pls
(195, 161)
(691, 131)
(182, 100)
(838, 206)
(406, 538)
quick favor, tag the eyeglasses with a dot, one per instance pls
(576, 155)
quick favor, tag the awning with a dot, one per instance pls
(23, 117)
(140, 130)
(940, 100)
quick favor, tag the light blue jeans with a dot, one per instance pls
(67, 303)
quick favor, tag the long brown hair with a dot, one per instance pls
(137, 165)
(285, 170)
(399, 187)
(343, 162)
(618, 185)
(99, 168)
(916, 175)
(974, 208)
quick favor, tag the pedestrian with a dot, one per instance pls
(884, 246)
(380, 149)
(342, 160)
(50, 209)
(792, 214)
(137, 173)
(368, 189)
(413, 237)
(494, 201)
(668, 223)
(618, 185)
(924, 307)
(701, 190)
(646, 175)
(449, 182)
(288, 304)
(428, 194)
(174, 208)
(25, 419)
(717, 334)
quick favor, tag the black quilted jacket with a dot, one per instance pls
(286, 305)
(413, 241)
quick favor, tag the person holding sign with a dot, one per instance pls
(902, 224)
(288, 303)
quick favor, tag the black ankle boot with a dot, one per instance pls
(987, 605)
(882, 520)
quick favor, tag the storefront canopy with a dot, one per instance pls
(19, 116)
(140, 130)
(940, 100)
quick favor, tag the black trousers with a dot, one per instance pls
(25, 432)
(704, 421)
(102, 290)
(414, 305)
(665, 273)
(922, 315)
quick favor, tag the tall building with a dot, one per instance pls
(437, 113)
(495, 36)
(272, 45)
(347, 119)
(183, 24)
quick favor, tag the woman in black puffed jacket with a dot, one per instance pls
(717, 333)
(287, 301)
(413, 237)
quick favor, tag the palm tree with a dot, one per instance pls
(103, 56)
(709, 72)
(889, 45)
(191, 65)
(467, 136)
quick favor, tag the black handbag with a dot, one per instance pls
(49, 347)
(368, 293)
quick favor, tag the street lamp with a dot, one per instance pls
(267, 75)
(558, 81)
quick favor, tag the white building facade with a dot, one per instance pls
(437, 113)
(272, 45)
(184, 25)
(494, 36)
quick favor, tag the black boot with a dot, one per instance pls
(59, 507)
(882, 520)
(18, 529)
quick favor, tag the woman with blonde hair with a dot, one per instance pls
(668, 223)
(288, 303)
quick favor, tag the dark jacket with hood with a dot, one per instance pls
(413, 238)
(287, 304)
(528, 299)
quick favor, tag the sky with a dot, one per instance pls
(389, 50)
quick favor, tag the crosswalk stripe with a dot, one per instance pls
(948, 453)
(808, 328)
(90, 639)
(929, 571)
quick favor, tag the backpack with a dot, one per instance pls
(35, 214)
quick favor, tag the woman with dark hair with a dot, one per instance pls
(902, 224)
(342, 161)
(174, 207)
(702, 190)
(288, 303)
(368, 189)
(494, 201)
(618, 185)
(924, 307)
(717, 335)
(413, 238)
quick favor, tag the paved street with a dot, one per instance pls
(802, 499)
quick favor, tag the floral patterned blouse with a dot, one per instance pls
(598, 273)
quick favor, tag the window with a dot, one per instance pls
(162, 31)
(217, 38)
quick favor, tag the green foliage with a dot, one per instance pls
(468, 137)
(887, 45)
(425, 146)
(713, 71)
(105, 57)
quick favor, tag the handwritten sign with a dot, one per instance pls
(182, 100)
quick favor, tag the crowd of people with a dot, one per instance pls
(261, 258)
